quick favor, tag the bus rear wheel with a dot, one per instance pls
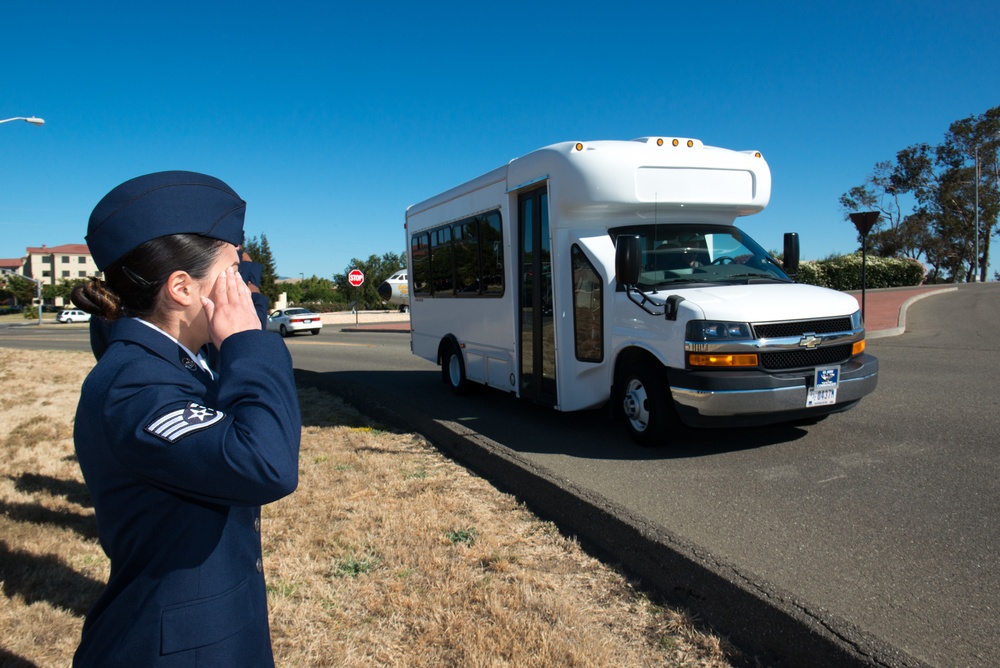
(646, 406)
(453, 370)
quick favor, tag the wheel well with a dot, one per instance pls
(631, 356)
(446, 341)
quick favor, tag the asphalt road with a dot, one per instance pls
(884, 516)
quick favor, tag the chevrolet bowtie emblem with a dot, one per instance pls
(810, 341)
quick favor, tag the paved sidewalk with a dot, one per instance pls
(368, 321)
(885, 309)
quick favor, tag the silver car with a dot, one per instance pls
(291, 320)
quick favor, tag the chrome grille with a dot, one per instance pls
(795, 359)
(777, 330)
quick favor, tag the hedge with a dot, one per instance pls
(844, 272)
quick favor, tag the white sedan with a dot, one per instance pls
(73, 315)
(290, 320)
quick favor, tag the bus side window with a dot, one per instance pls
(442, 263)
(588, 308)
(466, 258)
(419, 247)
(491, 249)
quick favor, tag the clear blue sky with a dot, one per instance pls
(331, 118)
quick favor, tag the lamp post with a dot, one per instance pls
(34, 120)
(975, 272)
(28, 119)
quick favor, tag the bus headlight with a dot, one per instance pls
(856, 321)
(706, 331)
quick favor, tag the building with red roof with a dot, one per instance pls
(56, 263)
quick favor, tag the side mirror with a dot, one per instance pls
(628, 259)
(791, 253)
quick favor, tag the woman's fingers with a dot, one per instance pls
(229, 307)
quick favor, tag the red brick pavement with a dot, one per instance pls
(883, 308)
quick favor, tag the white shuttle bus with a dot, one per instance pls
(610, 271)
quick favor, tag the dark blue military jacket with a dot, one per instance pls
(178, 464)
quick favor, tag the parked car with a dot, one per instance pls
(296, 319)
(73, 315)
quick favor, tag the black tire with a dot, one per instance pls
(645, 403)
(283, 331)
(453, 371)
(314, 332)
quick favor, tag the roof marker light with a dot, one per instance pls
(579, 146)
(690, 143)
(757, 154)
(675, 142)
(659, 142)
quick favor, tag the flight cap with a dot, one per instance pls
(158, 205)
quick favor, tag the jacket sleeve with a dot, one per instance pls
(236, 445)
(252, 273)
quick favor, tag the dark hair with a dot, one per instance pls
(132, 284)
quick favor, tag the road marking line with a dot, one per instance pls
(836, 477)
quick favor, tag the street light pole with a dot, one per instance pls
(975, 273)
(34, 120)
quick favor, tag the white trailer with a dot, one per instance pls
(589, 272)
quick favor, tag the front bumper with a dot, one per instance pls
(722, 398)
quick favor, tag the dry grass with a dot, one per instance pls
(389, 554)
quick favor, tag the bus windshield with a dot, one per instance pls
(677, 254)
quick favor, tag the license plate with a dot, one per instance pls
(824, 389)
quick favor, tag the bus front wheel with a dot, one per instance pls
(645, 404)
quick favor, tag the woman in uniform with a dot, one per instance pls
(179, 456)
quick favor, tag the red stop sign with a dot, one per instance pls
(356, 278)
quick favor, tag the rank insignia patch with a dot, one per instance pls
(177, 424)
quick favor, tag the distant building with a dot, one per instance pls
(52, 265)
(11, 264)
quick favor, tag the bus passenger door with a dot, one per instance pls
(535, 306)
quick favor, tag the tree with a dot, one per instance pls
(63, 288)
(969, 160)
(260, 251)
(899, 231)
(376, 269)
(317, 289)
(936, 219)
(293, 292)
(16, 287)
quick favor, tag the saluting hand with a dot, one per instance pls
(229, 308)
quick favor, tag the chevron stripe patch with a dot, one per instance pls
(177, 424)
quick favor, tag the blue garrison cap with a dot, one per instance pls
(158, 205)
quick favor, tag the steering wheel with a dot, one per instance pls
(724, 259)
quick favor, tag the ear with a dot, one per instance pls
(181, 288)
